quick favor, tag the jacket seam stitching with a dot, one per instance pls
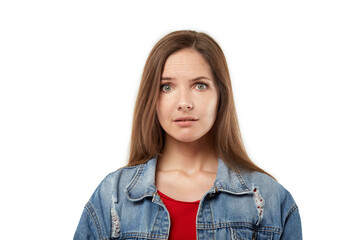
(157, 214)
(212, 218)
(136, 178)
(147, 235)
(242, 224)
(292, 210)
(242, 180)
(93, 215)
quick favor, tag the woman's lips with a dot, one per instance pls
(186, 123)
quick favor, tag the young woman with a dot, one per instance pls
(188, 175)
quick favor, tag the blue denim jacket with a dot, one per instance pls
(245, 205)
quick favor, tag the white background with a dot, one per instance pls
(70, 71)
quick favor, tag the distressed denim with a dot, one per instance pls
(243, 205)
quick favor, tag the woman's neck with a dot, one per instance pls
(188, 157)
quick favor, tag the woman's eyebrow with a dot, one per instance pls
(191, 80)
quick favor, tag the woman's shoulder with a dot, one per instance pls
(115, 179)
(99, 208)
(268, 188)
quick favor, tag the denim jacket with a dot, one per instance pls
(244, 205)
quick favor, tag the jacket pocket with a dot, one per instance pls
(132, 238)
(136, 236)
(241, 233)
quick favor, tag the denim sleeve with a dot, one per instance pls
(88, 227)
(292, 228)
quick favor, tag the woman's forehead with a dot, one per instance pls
(188, 63)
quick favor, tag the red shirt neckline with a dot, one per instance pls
(174, 200)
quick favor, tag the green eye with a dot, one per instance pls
(202, 84)
(165, 86)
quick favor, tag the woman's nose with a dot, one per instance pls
(185, 102)
(185, 106)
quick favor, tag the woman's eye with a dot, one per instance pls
(202, 84)
(167, 87)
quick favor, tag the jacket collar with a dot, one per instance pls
(143, 183)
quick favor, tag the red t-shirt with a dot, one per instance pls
(182, 217)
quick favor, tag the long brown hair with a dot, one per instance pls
(147, 137)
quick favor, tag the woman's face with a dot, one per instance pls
(188, 89)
